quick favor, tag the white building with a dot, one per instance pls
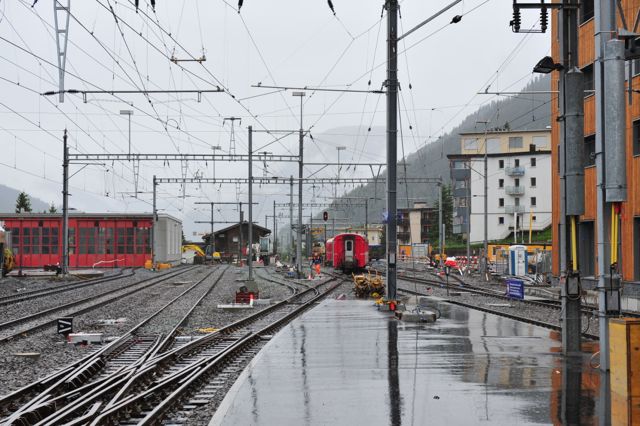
(518, 180)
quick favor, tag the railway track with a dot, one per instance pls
(132, 346)
(500, 313)
(547, 303)
(31, 295)
(162, 371)
(21, 326)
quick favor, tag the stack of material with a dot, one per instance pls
(368, 285)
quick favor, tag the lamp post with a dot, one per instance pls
(300, 173)
(129, 113)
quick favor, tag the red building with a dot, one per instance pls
(95, 240)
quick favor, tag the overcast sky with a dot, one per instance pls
(283, 42)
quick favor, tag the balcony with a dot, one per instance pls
(513, 209)
(514, 171)
(460, 193)
(460, 174)
(460, 229)
(514, 190)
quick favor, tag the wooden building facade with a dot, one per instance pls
(630, 226)
(227, 240)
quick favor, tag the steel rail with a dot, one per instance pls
(148, 282)
(49, 385)
(187, 377)
(500, 313)
(121, 377)
(171, 335)
(15, 298)
(148, 370)
(548, 303)
(92, 363)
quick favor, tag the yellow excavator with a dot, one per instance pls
(193, 247)
(6, 255)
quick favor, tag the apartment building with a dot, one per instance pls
(518, 181)
(413, 224)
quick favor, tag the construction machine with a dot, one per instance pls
(6, 255)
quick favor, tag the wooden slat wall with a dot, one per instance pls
(589, 194)
(590, 115)
(586, 44)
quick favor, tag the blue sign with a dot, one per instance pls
(515, 289)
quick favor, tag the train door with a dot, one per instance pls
(349, 250)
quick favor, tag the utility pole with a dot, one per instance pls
(240, 237)
(571, 168)
(250, 251)
(440, 250)
(392, 145)
(300, 177)
(485, 248)
(469, 222)
(610, 166)
(275, 230)
(232, 135)
(154, 222)
(65, 207)
(335, 188)
(128, 113)
(62, 39)
(211, 222)
(291, 241)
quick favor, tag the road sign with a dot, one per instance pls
(515, 289)
(65, 325)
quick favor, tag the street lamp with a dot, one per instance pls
(129, 113)
(546, 65)
(300, 173)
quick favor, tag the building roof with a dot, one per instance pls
(237, 225)
(499, 154)
(504, 132)
(76, 214)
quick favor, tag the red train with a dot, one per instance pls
(349, 252)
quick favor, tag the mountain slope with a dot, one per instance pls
(522, 112)
(8, 198)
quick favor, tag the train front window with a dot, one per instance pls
(349, 245)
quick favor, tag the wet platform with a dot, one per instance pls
(345, 363)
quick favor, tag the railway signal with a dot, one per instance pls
(325, 216)
(65, 325)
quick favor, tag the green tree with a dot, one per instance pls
(23, 203)
(447, 218)
(52, 209)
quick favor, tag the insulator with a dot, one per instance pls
(331, 6)
(517, 19)
(544, 19)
